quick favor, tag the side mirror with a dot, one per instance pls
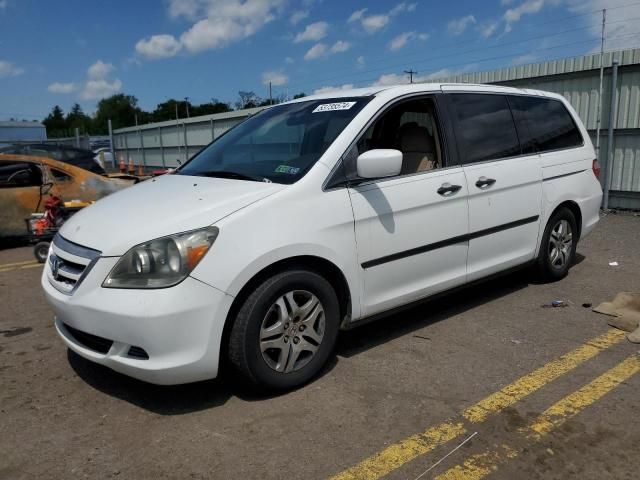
(379, 163)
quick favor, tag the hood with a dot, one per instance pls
(162, 206)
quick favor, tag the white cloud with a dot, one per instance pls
(401, 40)
(625, 31)
(340, 47)
(65, 88)
(8, 69)
(459, 25)
(488, 29)
(97, 85)
(289, 60)
(506, 2)
(217, 23)
(158, 46)
(373, 23)
(524, 59)
(277, 79)
(346, 86)
(97, 89)
(312, 33)
(3, 5)
(297, 16)
(320, 50)
(403, 7)
(528, 7)
(360, 61)
(355, 16)
(99, 70)
(317, 51)
(390, 79)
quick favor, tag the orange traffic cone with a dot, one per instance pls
(140, 171)
(122, 166)
(132, 169)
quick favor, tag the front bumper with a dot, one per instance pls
(180, 328)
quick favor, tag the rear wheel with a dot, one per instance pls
(558, 247)
(285, 331)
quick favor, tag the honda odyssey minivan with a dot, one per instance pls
(318, 215)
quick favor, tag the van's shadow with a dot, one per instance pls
(181, 399)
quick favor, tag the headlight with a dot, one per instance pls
(162, 262)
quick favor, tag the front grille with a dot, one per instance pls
(139, 353)
(92, 342)
(69, 263)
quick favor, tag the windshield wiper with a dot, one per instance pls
(234, 175)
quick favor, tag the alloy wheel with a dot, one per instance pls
(292, 331)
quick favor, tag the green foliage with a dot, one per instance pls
(123, 110)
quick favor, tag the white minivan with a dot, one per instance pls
(318, 215)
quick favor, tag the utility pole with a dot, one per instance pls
(177, 126)
(411, 73)
(186, 104)
(270, 97)
(599, 106)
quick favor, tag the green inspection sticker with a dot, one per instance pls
(287, 169)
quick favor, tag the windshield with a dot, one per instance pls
(279, 144)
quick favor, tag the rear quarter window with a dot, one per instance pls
(544, 124)
(484, 127)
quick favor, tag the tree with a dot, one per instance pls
(76, 118)
(121, 109)
(247, 100)
(55, 123)
(167, 111)
(299, 95)
(216, 106)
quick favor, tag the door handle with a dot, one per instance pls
(446, 189)
(484, 182)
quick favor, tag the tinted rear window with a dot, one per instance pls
(484, 127)
(544, 124)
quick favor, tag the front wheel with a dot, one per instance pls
(558, 247)
(286, 330)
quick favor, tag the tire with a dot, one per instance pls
(272, 318)
(558, 247)
(40, 251)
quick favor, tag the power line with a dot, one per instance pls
(399, 65)
(498, 57)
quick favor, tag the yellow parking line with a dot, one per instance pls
(537, 379)
(400, 453)
(587, 395)
(480, 465)
(23, 267)
(396, 455)
(16, 264)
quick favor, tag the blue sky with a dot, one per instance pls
(60, 52)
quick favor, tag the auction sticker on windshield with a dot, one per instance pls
(331, 107)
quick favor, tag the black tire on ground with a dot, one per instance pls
(245, 352)
(546, 268)
(40, 251)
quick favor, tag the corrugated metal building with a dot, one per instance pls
(164, 144)
(17, 131)
(578, 79)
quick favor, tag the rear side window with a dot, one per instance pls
(544, 124)
(484, 127)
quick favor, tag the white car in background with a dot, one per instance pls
(318, 215)
(108, 156)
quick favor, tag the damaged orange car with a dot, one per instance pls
(27, 181)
